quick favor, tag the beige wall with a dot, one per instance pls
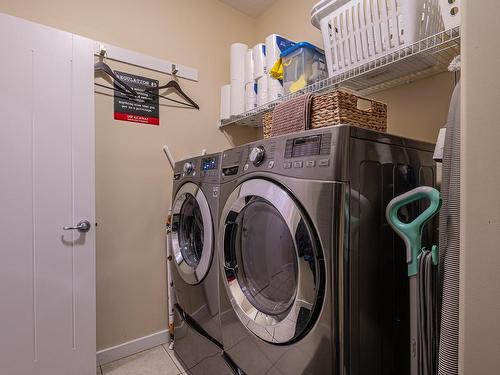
(290, 18)
(480, 205)
(416, 110)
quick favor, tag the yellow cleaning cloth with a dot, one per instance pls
(298, 84)
(277, 70)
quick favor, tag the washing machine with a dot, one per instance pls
(313, 280)
(195, 265)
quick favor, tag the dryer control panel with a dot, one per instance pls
(309, 145)
(314, 154)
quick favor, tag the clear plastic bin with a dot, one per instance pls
(303, 64)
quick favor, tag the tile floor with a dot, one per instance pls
(156, 361)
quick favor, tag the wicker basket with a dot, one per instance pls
(339, 107)
(267, 123)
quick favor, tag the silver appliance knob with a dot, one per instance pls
(257, 155)
(188, 167)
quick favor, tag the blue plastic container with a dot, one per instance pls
(303, 64)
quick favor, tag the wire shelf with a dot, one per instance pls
(422, 59)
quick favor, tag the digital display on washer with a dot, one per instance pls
(208, 164)
(308, 146)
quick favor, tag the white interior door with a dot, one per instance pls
(47, 275)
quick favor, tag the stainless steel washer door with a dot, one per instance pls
(192, 233)
(269, 263)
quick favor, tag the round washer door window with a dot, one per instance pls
(269, 262)
(192, 233)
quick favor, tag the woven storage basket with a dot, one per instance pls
(267, 123)
(339, 107)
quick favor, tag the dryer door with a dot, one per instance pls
(192, 233)
(270, 263)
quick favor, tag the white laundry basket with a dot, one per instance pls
(357, 31)
(451, 11)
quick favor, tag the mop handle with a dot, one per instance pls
(411, 232)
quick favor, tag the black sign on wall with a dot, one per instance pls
(144, 108)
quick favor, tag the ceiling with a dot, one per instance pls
(252, 8)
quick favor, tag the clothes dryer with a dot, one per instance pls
(313, 279)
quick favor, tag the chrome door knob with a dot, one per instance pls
(83, 226)
(257, 155)
(188, 167)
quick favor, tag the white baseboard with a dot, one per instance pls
(128, 348)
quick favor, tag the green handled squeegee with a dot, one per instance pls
(411, 233)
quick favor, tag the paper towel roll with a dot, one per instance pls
(250, 96)
(262, 97)
(249, 67)
(237, 64)
(225, 102)
(275, 44)
(259, 60)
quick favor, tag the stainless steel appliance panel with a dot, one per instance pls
(195, 264)
(377, 319)
(196, 353)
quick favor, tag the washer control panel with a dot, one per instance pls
(210, 163)
(209, 166)
(202, 168)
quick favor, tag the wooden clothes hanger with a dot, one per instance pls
(174, 85)
(103, 67)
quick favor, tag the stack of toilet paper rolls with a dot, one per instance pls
(251, 86)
